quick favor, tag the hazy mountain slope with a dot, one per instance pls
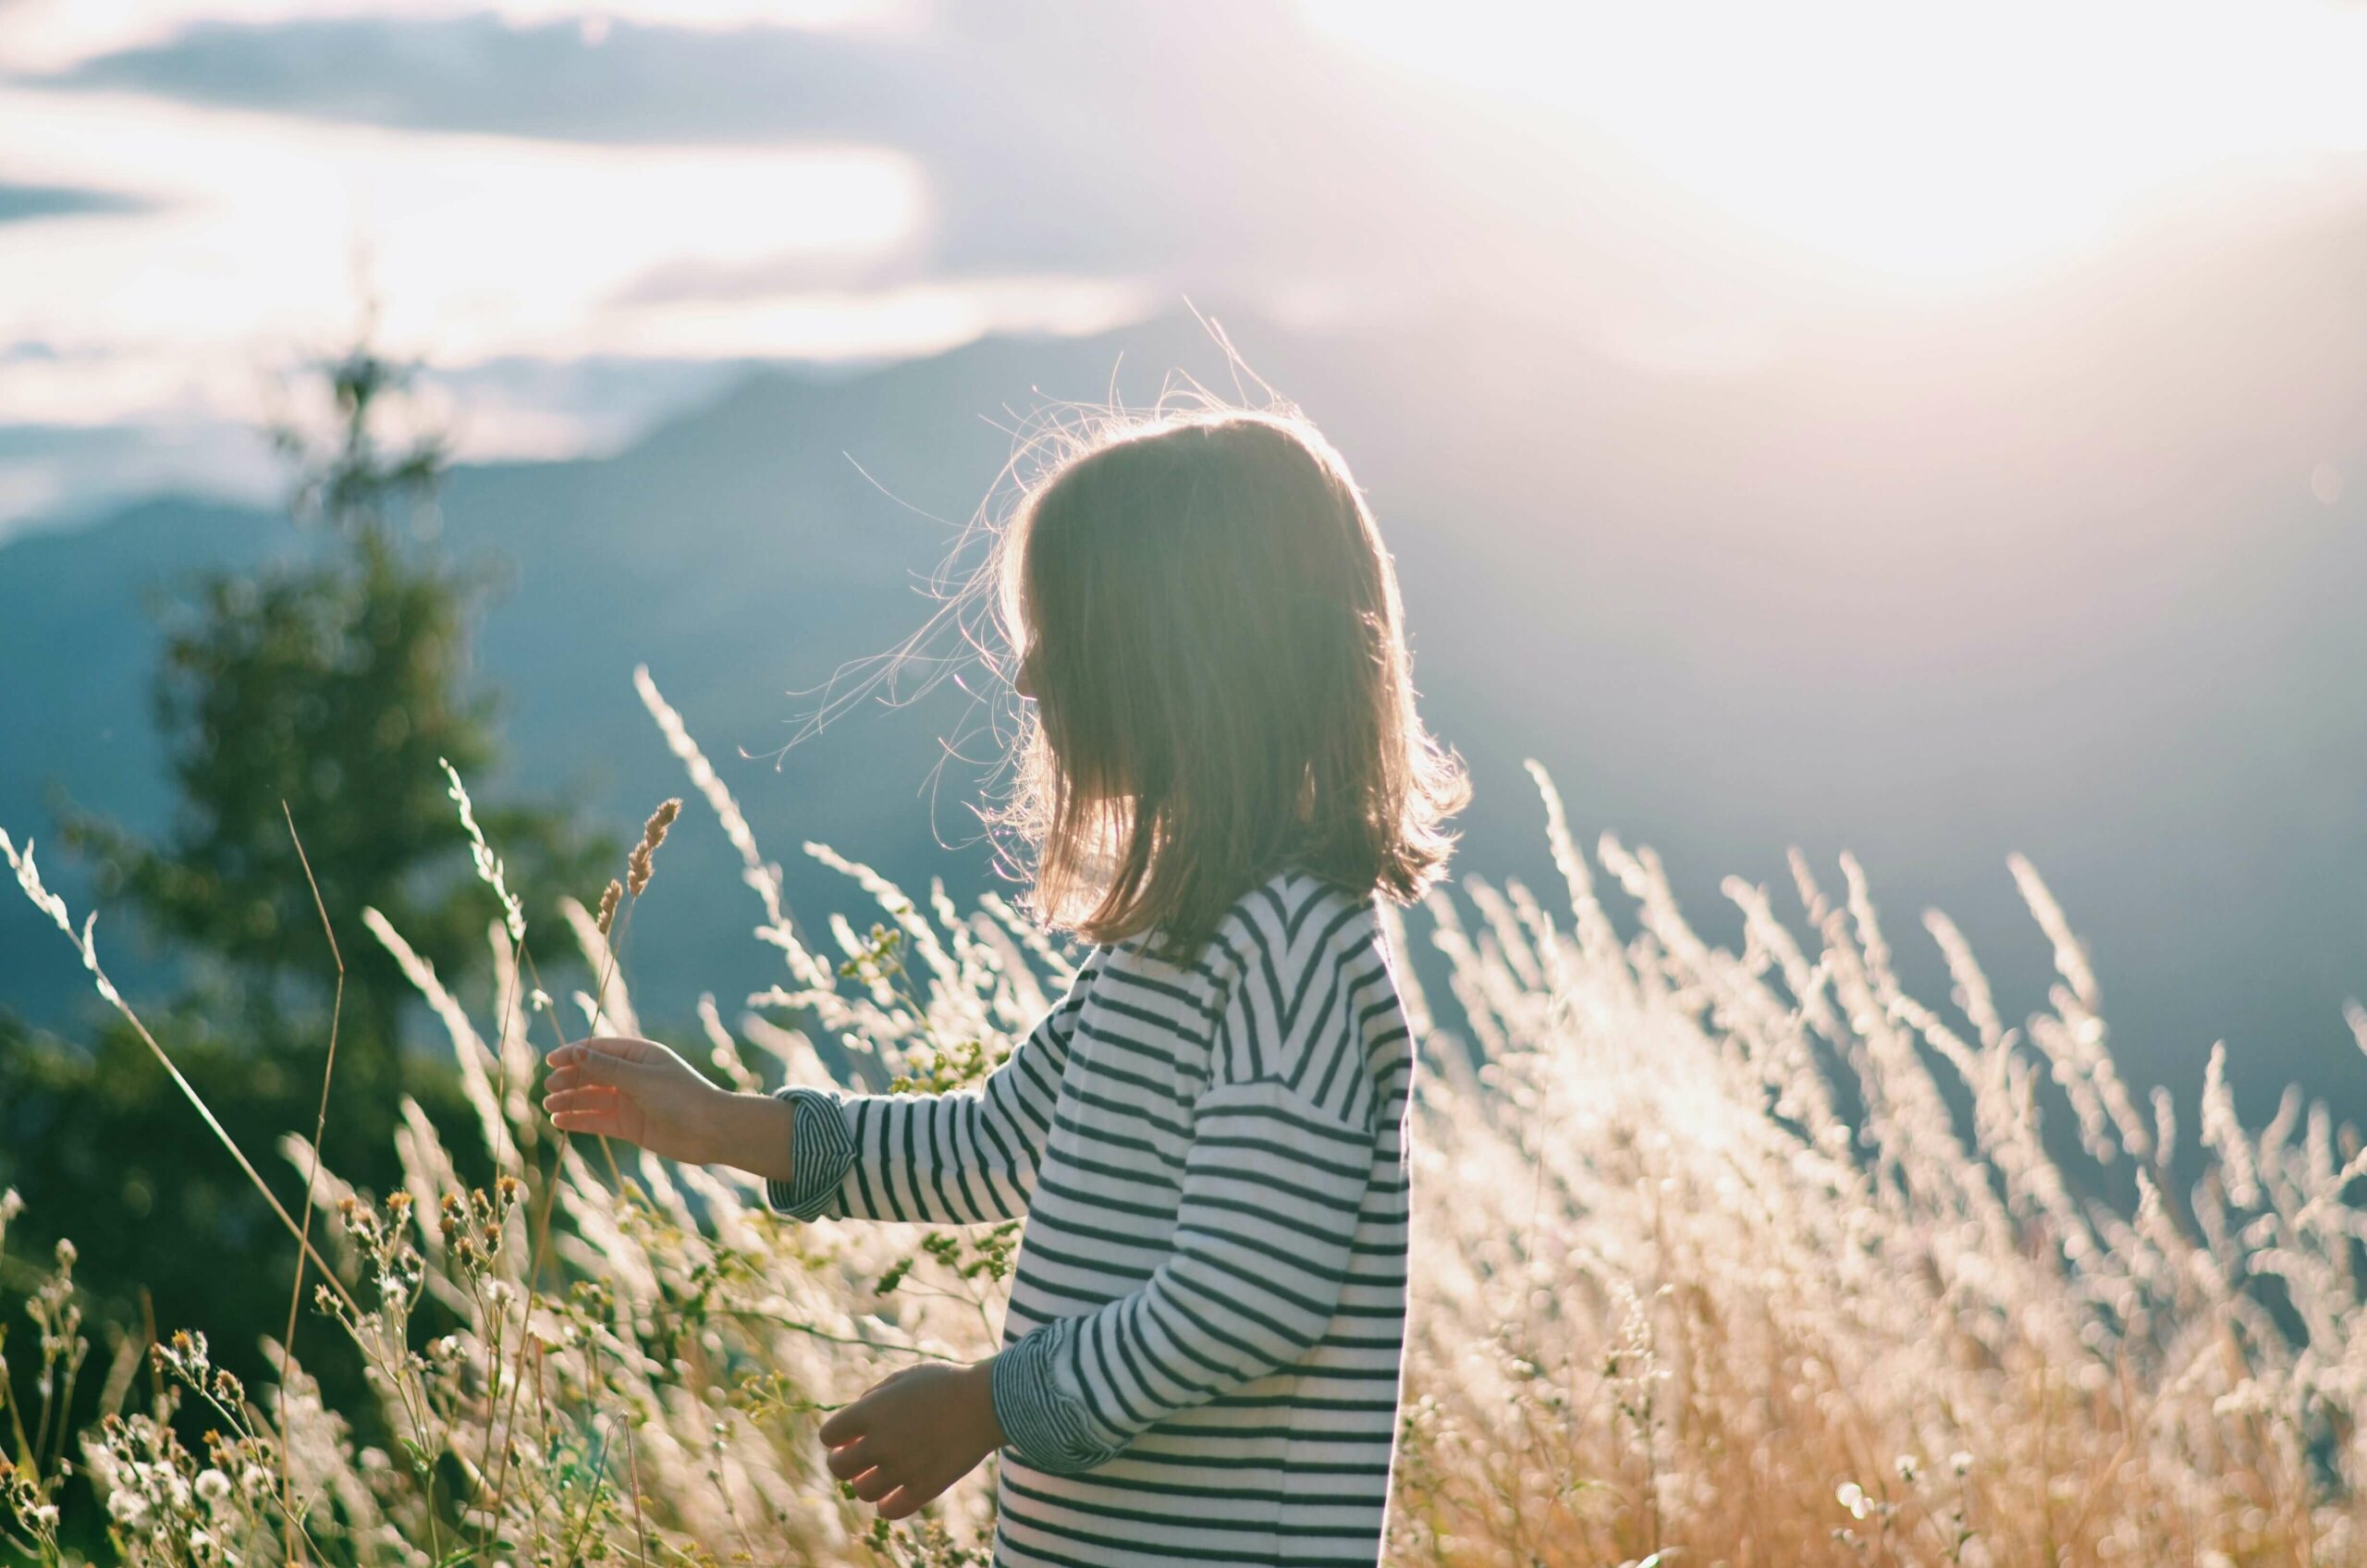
(739, 553)
(1934, 589)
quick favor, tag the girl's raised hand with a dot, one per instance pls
(622, 1086)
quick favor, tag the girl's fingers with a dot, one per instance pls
(600, 1047)
(903, 1501)
(873, 1485)
(582, 1099)
(845, 1426)
(603, 1116)
(852, 1460)
(599, 1067)
(576, 1078)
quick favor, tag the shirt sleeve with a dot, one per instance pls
(963, 1159)
(1273, 1186)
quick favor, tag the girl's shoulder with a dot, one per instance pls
(1293, 923)
(1309, 972)
(1284, 991)
(1291, 920)
(1284, 905)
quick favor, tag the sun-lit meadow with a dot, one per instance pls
(1729, 1257)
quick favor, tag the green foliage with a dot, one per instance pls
(532, 1342)
(315, 696)
(327, 691)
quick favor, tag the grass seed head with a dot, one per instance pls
(653, 833)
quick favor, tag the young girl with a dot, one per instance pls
(1221, 771)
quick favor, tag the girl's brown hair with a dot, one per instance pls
(1202, 607)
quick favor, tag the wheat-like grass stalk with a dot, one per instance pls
(311, 1175)
(85, 943)
(1743, 1255)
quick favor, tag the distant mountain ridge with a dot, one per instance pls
(737, 551)
(1933, 592)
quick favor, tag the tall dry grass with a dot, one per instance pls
(1748, 1258)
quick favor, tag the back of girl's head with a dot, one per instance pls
(1202, 607)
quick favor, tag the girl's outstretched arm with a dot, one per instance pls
(967, 1157)
(960, 1159)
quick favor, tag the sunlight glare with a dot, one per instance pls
(1930, 142)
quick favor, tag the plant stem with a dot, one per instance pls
(312, 1180)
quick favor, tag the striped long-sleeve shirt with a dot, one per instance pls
(1200, 1359)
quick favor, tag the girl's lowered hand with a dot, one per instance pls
(914, 1433)
(621, 1086)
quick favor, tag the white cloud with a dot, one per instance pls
(182, 313)
(920, 318)
(479, 246)
(44, 35)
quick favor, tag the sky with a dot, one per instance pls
(1897, 379)
(582, 215)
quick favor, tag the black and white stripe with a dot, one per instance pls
(1201, 1357)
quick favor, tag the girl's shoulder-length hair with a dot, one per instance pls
(1201, 605)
